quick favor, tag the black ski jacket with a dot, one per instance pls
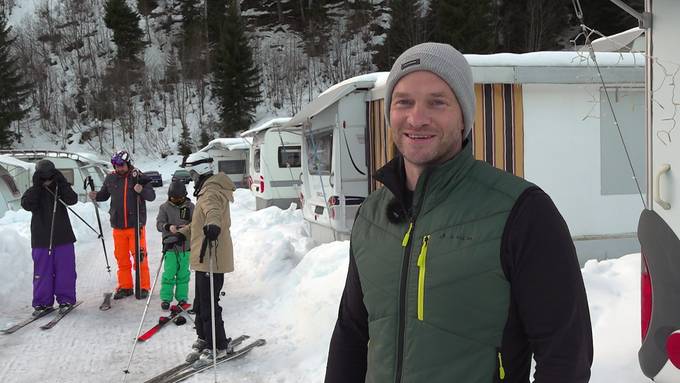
(123, 208)
(40, 201)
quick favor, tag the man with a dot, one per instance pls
(211, 253)
(458, 272)
(52, 238)
(127, 186)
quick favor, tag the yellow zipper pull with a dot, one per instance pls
(404, 241)
(422, 259)
(501, 370)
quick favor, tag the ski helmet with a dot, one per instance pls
(199, 163)
(121, 158)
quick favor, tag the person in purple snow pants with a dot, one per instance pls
(52, 238)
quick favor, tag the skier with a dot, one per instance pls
(52, 238)
(174, 214)
(124, 186)
(211, 255)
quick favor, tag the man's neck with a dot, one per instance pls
(413, 172)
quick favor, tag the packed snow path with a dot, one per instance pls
(285, 289)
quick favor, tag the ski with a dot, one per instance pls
(183, 366)
(60, 316)
(26, 321)
(234, 355)
(106, 304)
(175, 310)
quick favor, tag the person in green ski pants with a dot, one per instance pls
(173, 214)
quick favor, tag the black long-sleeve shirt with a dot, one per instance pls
(548, 316)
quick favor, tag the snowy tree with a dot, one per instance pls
(406, 30)
(236, 82)
(127, 35)
(14, 89)
(185, 144)
(468, 26)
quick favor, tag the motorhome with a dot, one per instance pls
(15, 179)
(275, 164)
(230, 156)
(659, 224)
(334, 163)
(75, 167)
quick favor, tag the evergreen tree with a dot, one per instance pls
(185, 144)
(127, 35)
(216, 17)
(235, 82)
(607, 18)
(13, 90)
(467, 25)
(406, 30)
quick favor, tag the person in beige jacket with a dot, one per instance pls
(211, 252)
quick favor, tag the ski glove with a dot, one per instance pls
(211, 231)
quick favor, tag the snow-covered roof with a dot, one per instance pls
(376, 78)
(556, 59)
(272, 123)
(333, 94)
(232, 143)
(9, 160)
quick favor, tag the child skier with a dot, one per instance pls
(52, 238)
(172, 215)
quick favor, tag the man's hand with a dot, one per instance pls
(138, 188)
(211, 231)
(92, 195)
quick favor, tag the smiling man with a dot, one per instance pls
(458, 271)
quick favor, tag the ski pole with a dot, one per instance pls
(211, 253)
(168, 241)
(138, 240)
(99, 235)
(54, 213)
(89, 181)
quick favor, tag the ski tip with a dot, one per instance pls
(260, 342)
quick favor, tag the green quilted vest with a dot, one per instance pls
(434, 288)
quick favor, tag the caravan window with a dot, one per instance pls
(256, 160)
(232, 166)
(320, 153)
(68, 174)
(290, 156)
(10, 183)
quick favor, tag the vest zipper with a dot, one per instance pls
(406, 243)
(501, 370)
(422, 258)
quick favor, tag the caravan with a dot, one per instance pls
(659, 225)
(334, 162)
(230, 156)
(575, 157)
(275, 164)
(15, 179)
(75, 167)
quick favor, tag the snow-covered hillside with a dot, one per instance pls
(285, 289)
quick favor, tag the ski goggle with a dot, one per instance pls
(116, 161)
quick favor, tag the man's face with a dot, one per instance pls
(426, 120)
(121, 169)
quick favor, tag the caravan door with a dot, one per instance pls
(659, 226)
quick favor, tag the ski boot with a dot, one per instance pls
(196, 350)
(39, 310)
(165, 305)
(122, 293)
(64, 307)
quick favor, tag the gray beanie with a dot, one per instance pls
(444, 61)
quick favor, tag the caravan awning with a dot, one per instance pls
(327, 99)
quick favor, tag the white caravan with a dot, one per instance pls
(75, 167)
(15, 179)
(334, 162)
(230, 156)
(659, 226)
(275, 164)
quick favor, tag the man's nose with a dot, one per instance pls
(418, 115)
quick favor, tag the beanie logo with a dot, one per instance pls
(410, 63)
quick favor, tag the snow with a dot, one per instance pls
(556, 59)
(274, 122)
(286, 289)
(230, 143)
